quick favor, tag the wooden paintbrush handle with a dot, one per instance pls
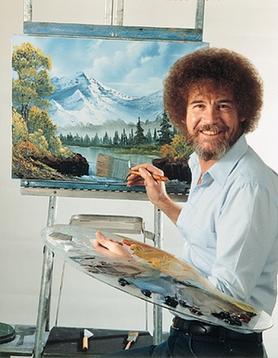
(85, 343)
(128, 345)
(155, 176)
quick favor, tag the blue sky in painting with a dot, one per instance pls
(135, 68)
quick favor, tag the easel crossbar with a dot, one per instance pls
(109, 31)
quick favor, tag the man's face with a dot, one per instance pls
(212, 123)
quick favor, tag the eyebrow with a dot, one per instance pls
(226, 100)
(196, 101)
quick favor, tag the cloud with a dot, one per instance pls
(134, 67)
(138, 66)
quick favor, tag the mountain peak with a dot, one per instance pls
(85, 96)
(67, 82)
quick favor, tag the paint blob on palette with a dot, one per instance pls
(153, 275)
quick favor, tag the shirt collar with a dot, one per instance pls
(222, 168)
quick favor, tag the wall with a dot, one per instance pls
(249, 27)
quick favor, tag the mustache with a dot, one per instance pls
(211, 127)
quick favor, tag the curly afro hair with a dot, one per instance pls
(224, 68)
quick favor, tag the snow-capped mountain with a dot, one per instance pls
(80, 101)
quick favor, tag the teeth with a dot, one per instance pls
(210, 132)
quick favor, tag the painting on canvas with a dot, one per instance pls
(85, 110)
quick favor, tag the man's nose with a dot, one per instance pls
(211, 114)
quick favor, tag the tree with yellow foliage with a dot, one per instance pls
(32, 84)
(19, 128)
(177, 149)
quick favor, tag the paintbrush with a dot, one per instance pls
(156, 177)
(131, 338)
(111, 167)
(85, 340)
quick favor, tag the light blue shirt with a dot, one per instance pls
(230, 225)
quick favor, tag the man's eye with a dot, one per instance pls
(225, 106)
(199, 106)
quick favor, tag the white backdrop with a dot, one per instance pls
(248, 26)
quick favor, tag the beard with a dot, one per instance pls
(216, 148)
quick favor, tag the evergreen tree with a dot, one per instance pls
(165, 134)
(131, 137)
(139, 137)
(116, 138)
(149, 137)
(105, 139)
(96, 139)
(70, 140)
(76, 139)
(124, 140)
(87, 141)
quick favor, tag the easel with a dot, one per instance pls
(114, 14)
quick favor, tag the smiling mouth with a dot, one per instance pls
(211, 133)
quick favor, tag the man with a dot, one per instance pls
(229, 222)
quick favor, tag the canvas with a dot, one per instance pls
(153, 275)
(85, 110)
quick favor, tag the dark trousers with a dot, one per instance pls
(180, 344)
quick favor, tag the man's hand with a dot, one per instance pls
(109, 247)
(155, 189)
